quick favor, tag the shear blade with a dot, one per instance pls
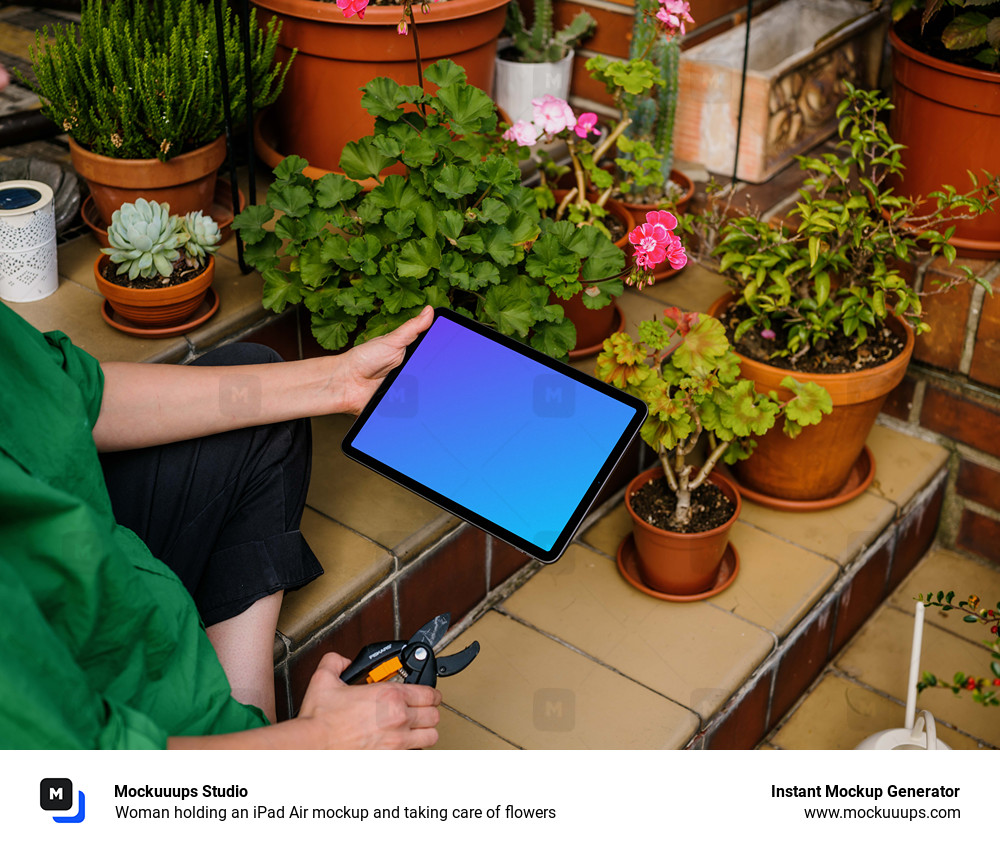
(459, 661)
(432, 632)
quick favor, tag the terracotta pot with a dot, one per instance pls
(948, 118)
(595, 326)
(639, 211)
(186, 182)
(817, 463)
(676, 563)
(153, 308)
(319, 109)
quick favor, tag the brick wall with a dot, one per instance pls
(951, 395)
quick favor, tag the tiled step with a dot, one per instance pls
(863, 689)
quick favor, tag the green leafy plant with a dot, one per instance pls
(146, 242)
(459, 229)
(138, 79)
(541, 42)
(834, 268)
(683, 367)
(985, 690)
(968, 30)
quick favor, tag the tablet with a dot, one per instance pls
(504, 437)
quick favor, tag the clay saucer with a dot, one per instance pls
(857, 482)
(205, 311)
(628, 566)
(221, 211)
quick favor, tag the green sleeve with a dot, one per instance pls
(81, 368)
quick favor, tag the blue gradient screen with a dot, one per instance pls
(496, 432)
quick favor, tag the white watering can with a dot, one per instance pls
(918, 733)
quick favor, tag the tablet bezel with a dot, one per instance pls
(546, 556)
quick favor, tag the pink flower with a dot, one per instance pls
(585, 123)
(655, 241)
(767, 333)
(552, 114)
(676, 255)
(351, 7)
(523, 132)
(674, 14)
(402, 27)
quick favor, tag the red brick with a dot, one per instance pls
(746, 723)
(801, 662)
(978, 483)
(985, 366)
(980, 535)
(862, 595)
(914, 535)
(948, 314)
(962, 419)
(899, 403)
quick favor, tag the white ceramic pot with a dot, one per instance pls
(28, 267)
(516, 84)
(923, 736)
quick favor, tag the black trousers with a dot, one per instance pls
(222, 511)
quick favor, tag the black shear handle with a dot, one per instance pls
(369, 658)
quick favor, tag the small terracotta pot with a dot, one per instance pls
(676, 563)
(817, 463)
(153, 308)
(595, 326)
(186, 182)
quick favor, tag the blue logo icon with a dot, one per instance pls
(56, 795)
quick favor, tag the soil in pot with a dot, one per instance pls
(178, 275)
(833, 356)
(655, 502)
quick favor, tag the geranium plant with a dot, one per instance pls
(833, 268)
(459, 229)
(685, 370)
(985, 689)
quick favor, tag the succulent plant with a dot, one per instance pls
(145, 240)
(541, 42)
(203, 237)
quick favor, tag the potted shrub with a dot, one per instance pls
(137, 87)
(824, 295)
(158, 266)
(458, 230)
(685, 369)
(946, 74)
(341, 46)
(538, 60)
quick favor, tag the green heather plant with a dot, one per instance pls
(146, 242)
(541, 42)
(685, 370)
(984, 689)
(459, 229)
(835, 267)
(968, 30)
(138, 79)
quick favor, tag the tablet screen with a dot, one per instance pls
(508, 439)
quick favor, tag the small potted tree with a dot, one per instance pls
(539, 58)
(684, 368)
(158, 267)
(823, 295)
(137, 87)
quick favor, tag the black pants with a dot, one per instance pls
(222, 511)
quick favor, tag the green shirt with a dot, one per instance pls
(100, 644)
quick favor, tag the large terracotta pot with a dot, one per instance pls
(948, 118)
(319, 109)
(155, 308)
(675, 563)
(186, 182)
(817, 463)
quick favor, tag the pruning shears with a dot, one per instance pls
(413, 659)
